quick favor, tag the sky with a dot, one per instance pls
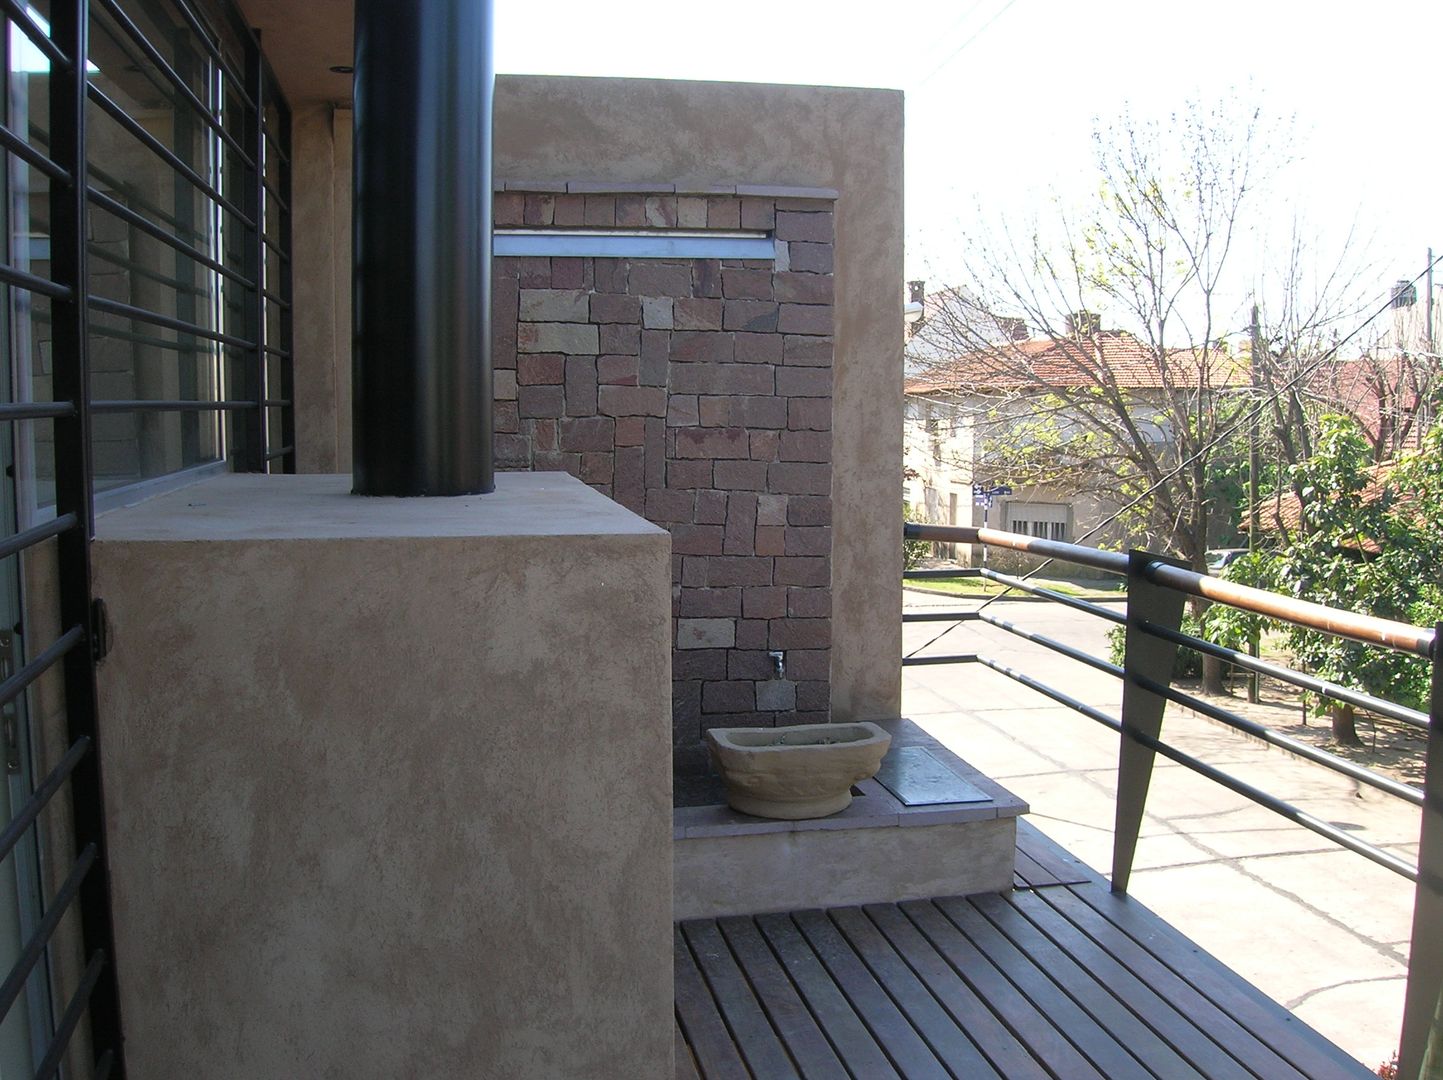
(1002, 96)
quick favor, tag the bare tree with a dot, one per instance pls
(1131, 373)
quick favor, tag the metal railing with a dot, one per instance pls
(1157, 589)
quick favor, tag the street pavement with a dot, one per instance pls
(1318, 928)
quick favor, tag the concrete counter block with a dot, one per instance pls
(388, 782)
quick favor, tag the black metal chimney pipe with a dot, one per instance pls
(421, 291)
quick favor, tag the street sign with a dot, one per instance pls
(983, 494)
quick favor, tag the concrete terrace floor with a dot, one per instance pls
(1319, 929)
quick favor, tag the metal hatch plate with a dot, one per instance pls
(917, 778)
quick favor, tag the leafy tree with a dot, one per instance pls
(1370, 541)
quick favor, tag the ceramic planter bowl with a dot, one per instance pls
(805, 771)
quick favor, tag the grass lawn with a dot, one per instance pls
(976, 586)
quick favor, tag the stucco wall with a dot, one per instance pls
(637, 131)
(384, 797)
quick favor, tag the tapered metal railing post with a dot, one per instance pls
(1422, 1034)
(1148, 658)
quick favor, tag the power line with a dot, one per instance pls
(958, 50)
(1227, 432)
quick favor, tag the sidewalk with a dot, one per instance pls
(1321, 930)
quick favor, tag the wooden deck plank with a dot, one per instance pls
(789, 1015)
(1021, 1016)
(834, 1014)
(1173, 1026)
(911, 1055)
(685, 1063)
(1054, 860)
(701, 1023)
(1308, 1052)
(946, 1039)
(1092, 994)
(1001, 1046)
(1221, 1027)
(755, 1038)
(1110, 1057)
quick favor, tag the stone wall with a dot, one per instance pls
(698, 393)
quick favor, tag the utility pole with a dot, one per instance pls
(1429, 308)
(1255, 353)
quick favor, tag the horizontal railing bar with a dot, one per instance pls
(35, 946)
(279, 199)
(274, 245)
(36, 410)
(939, 616)
(1366, 628)
(1112, 561)
(142, 405)
(203, 34)
(21, 18)
(125, 120)
(36, 534)
(1232, 783)
(285, 451)
(277, 403)
(1278, 806)
(1056, 695)
(1053, 644)
(272, 350)
(33, 157)
(180, 326)
(70, 1019)
(1304, 750)
(929, 661)
(23, 279)
(926, 575)
(1060, 598)
(135, 266)
(173, 77)
(198, 349)
(1404, 715)
(145, 225)
(39, 798)
(280, 150)
(279, 301)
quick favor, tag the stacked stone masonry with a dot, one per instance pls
(697, 393)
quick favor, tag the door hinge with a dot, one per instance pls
(99, 630)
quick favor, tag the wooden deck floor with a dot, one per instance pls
(1058, 978)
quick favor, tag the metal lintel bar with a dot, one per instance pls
(1053, 644)
(1114, 562)
(145, 225)
(41, 796)
(70, 1019)
(424, 81)
(1061, 598)
(928, 575)
(152, 54)
(35, 945)
(113, 109)
(33, 157)
(180, 326)
(1412, 717)
(1259, 731)
(939, 616)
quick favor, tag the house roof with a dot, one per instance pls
(1381, 392)
(1283, 512)
(1078, 363)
